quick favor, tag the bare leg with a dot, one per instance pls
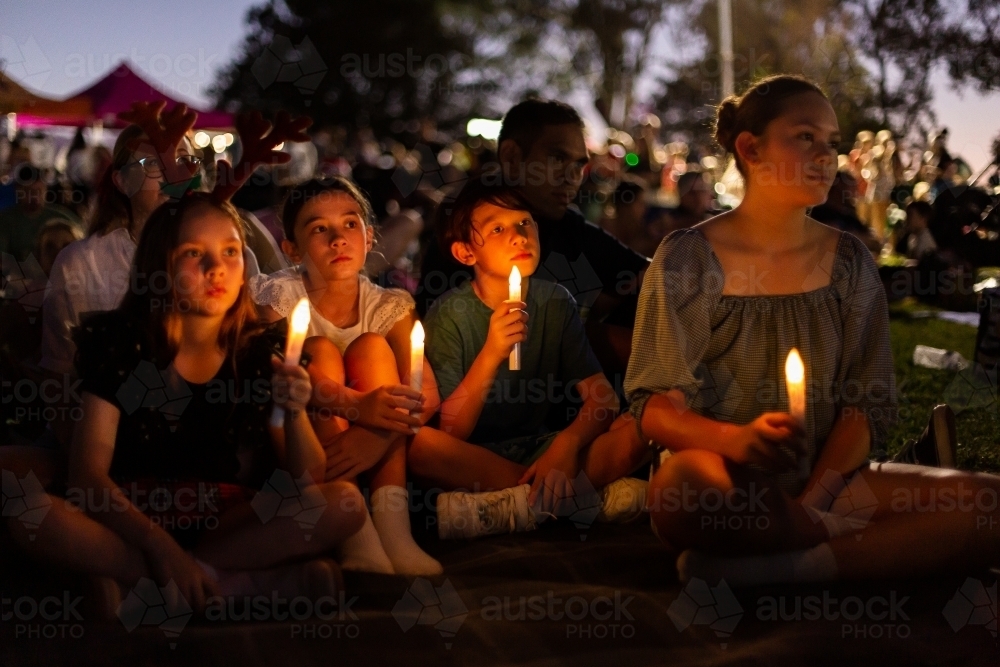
(928, 520)
(68, 538)
(443, 461)
(369, 364)
(242, 542)
(326, 373)
(699, 500)
(614, 454)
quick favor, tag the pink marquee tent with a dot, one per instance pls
(115, 93)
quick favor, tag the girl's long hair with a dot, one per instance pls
(114, 209)
(151, 298)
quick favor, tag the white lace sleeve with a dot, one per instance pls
(280, 290)
(393, 305)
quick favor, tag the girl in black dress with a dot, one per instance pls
(177, 387)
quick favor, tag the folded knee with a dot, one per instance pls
(345, 505)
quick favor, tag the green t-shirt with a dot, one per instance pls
(19, 231)
(556, 356)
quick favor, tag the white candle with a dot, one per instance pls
(795, 380)
(298, 326)
(514, 282)
(417, 356)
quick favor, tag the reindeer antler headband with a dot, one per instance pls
(258, 136)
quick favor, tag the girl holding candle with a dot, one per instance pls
(197, 334)
(721, 307)
(360, 354)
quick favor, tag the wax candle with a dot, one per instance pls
(417, 356)
(297, 328)
(795, 380)
(514, 282)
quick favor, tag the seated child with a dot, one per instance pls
(360, 348)
(527, 450)
(205, 429)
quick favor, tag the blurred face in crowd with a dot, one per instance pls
(915, 221)
(331, 237)
(502, 238)
(142, 177)
(551, 172)
(30, 193)
(697, 198)
(207, 264)
(843, 192)
(795, 159)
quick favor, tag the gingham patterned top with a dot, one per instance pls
(727, 353)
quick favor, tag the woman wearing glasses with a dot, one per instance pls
(93, 274)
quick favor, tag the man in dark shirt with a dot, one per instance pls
(543, 153)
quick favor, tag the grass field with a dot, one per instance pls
(920, 389)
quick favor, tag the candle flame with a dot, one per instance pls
(515, 279)
(417, 335)
(300, 317)
(794, 370)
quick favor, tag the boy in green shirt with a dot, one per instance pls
(534, 437)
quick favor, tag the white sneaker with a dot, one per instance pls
(623, 500)
(467, 516)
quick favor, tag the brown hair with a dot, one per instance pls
(146, 301)
(455, 218)
(754, 110)
(114, 209)
(317, 187)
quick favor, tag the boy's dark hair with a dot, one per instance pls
(300, 194)
(526, 121)
(455, 218)
(921, 208)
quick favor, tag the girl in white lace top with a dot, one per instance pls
(359, 349)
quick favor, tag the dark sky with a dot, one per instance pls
(59, 46)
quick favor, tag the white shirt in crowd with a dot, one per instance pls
(90, 275)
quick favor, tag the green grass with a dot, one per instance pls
(920, 389)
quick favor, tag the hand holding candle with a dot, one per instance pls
(298, 326)
(795, 380)
(514, 282)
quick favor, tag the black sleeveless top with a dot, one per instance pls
(168, 428)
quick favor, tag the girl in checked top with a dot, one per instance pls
(360, 351)
(722, 305)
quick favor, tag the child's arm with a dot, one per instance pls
(91, 452)
(460, 412)
(599, 409)
(846, 448)
(667, 420)
(298, 448)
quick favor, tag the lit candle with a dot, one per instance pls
(417, 356)
(417, 359)
(795, 380)
(514, 282)
(298, 327)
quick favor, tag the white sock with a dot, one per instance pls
(363, 551)
(808, 565)
(391, 516)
